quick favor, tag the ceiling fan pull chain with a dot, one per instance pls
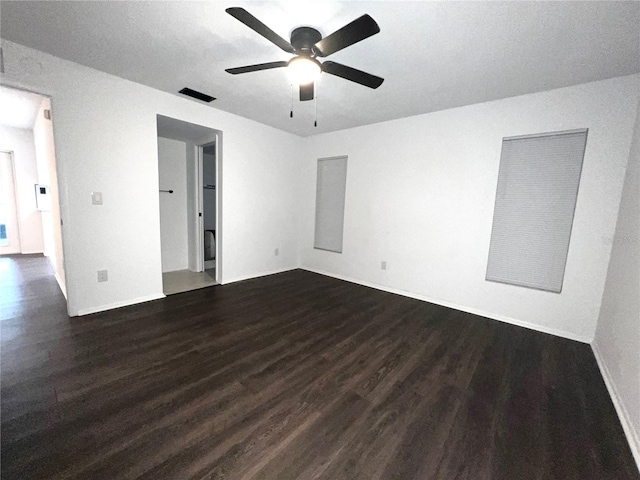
(291, 111)
(315, 104)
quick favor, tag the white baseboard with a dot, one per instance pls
(493, 316)
(61, 284)
(256, 275)
(56, 274)
(111, 306)
(633, 437)
(102, 308)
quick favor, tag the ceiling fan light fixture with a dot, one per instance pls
(303, 70)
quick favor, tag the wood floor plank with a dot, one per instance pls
(292, 376)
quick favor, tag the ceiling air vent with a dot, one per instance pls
(197, 95)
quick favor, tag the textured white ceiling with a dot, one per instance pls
(18, 108)
(433, 55)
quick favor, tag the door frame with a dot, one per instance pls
(215, 139)
(16, 206)
(61, 277)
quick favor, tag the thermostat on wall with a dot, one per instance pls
(43, 199)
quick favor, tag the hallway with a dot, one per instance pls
(32, 311)
(28, 290)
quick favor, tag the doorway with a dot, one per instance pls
(31, 219)
(189, 161)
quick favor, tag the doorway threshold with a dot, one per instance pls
(181, 281)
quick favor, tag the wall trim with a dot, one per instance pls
(148, 298)
(633, 437)
(61, 284)
(256, 275)
(492, 316)
(56, 274)
(126, 303)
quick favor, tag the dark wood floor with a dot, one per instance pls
(292, 376)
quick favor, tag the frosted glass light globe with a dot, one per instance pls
(303, 70)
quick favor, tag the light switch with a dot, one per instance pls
(96, 198)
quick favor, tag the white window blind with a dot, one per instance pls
(330, 195)
(535, 202)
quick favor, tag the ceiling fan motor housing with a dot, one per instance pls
(304, 38)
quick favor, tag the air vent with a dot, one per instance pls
(197, 95)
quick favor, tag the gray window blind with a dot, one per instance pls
(330, 194)
(535, 202)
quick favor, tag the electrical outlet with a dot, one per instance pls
(276, 252)
(103, 275)
(383, 265)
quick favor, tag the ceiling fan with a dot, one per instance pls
(307, 44)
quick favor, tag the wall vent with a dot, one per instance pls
(197, 95)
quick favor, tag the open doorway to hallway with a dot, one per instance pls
(9, 224)
(189, 199)
(30, 222)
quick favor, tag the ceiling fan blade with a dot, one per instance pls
(352, 74)
(257, 26)
(306, 92)
(358, 30)
(256, 68)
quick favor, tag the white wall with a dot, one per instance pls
(46, 164)
(20, 141)
(172, 174)
(420, 195)
(617, 340)
(106, 141)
